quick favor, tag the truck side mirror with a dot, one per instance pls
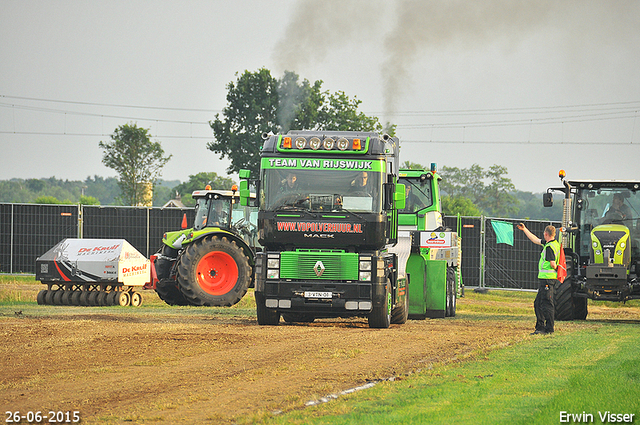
(547, 199)
(400, 196)
(388, 196)
(244, 193)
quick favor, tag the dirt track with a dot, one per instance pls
(145, 365)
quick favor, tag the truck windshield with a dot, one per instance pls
(211, 212)
(609, 205)
(419, 195)
(321, 190)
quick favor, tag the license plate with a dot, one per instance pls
(316, 294)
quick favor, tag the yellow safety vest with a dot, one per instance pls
(545, 271)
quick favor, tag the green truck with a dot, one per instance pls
(330, 206)
(433, 265)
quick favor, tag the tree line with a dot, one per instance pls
(259, 103)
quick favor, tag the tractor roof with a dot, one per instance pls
(597, 184)
(217, 193)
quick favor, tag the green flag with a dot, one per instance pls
(504, 231)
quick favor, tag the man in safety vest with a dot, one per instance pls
(547, 277)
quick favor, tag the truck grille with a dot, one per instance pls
(301, 264)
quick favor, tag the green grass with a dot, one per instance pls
(591, 370)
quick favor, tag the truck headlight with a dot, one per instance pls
(273, 266)
(364, 266)
(273, 274)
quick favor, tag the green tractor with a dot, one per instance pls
(211, 263)
(601, 242)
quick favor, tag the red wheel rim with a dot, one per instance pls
(217, 273)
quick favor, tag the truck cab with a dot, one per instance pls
(328, 211)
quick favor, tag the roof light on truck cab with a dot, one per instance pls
(356, 144)
(343, 143)
(301, 142)
(207, 187)
(286, 142)
(328, 143)
(315, 143)
(433, 167)
(562, 174)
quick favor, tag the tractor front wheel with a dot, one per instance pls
(214, 271)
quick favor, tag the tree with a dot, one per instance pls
(259, 103)
(454, 205)
(252, 106)
(408, 165)
(494, 198)
(198, 182)
(136, 159)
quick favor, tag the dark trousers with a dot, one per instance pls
(543, 305)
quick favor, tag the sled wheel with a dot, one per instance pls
(123, 298)
(57, 297)
(75, 297)
(41, 297)
(93, 298)
(214, 271)
(84, 298)
(136, 299)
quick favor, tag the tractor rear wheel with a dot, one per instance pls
(563, 300)
(214, 271)
(169, 292)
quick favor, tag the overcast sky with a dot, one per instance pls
(534, 86)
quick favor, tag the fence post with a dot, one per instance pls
(483, 245)
(148, 229)
(80, 221)
(11, 243)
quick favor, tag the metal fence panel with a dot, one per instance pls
(471, 234)
(514, 267)
(29, 230)
(163, 220)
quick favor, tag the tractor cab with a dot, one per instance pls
(222, 209)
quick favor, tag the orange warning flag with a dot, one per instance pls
(562, 266)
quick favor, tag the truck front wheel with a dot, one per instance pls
(214, 271)
(266, 316)
(380, 316)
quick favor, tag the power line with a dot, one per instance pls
(55, 133)
(73, 102)
(88, 114)
(463, 142)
